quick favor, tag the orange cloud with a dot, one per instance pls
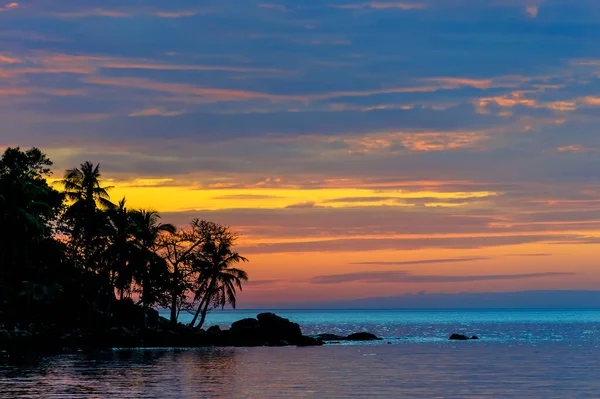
(590, 100)
(427, 142)
(155, 112)
(532, 11)
(9, 6)
(574, 148)
(238, 95)
(419, 142)
(450, 82)
(10, 60)
(516, 99)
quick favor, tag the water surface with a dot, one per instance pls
(522, 354)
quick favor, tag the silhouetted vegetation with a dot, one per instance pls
(72, 259)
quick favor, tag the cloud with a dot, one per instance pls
(532, 11)
(9, 6)
(302, 205)
(218, 94)
(262, 283)
(359, 199)
(406, 244)
(382, 5)
(176, 14)
(246, 197)
(156, 112)
(425, 261)
(383, 277)
(9, 60)
(95, 12)
(574, 148)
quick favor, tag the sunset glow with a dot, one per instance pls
(361, 148)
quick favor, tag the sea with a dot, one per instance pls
(520, 354)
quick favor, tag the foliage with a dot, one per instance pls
(64, 256)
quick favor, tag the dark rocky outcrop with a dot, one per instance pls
(131, 329)
(474, 337)
(459, 337)
(268, 329)
(330, 337)
(362, 336)
(276, 328)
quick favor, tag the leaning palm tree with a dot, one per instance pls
(217, 280)
(83, 188)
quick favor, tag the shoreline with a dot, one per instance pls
(267, 330)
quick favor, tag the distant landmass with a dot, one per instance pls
(551, 299)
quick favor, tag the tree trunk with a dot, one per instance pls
(197, 313)
(203, 303)
(174, 282)
(173, 309)
(204, 312)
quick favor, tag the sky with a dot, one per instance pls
(361, 148)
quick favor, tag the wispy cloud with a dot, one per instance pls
(386, 277)
(574, 148)
(382, 5)
(94, 12)
(9, 6)
(176, 14)
(10, 60)
(425, 261)
(156, 112)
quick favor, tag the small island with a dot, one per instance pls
(78, 271)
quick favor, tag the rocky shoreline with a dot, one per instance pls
(267, 329)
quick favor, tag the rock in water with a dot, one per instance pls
(330, 337)
(459, 337)
(474, 337)
(275, 328)
(246, 332)
(270, 330)
(362, 336)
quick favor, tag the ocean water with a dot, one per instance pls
(521, 354)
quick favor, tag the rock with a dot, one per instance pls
(214, 330)
(474, 337)
(246, 332)
(362, 336)
(330, 337)
(459, 337)
(275, 328)
(268, 329)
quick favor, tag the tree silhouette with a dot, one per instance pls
(149, 270)
(82, 187)
(217, 281)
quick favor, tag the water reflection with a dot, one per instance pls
(416, 370)
(120, 374)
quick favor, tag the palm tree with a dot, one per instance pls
(82, 187)
(217, 279)
(120, 249)
(149, 270)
